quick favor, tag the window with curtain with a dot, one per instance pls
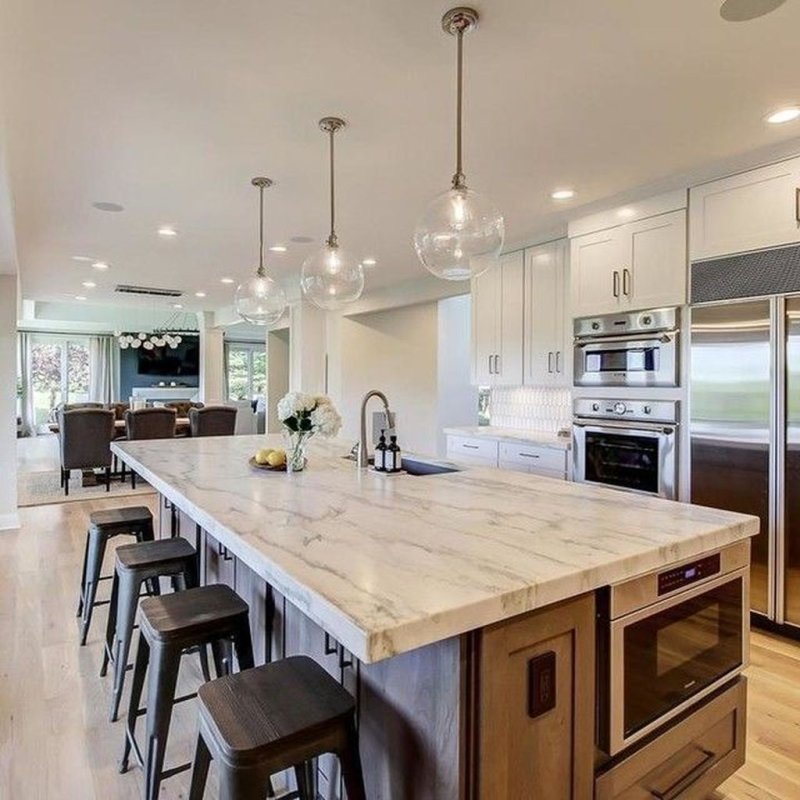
(247, 370)
(59, 373)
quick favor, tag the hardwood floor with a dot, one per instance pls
(56, 742)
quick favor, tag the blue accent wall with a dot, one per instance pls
(129, 375)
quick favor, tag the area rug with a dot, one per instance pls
(44, 488)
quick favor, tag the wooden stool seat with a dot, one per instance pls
(103, 525)
(187, 615)
(144, 563)
(151, 554)
(264, 720)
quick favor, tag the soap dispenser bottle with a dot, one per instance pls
(394, 460)
(380, 453)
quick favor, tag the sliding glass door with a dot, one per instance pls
(59, 371)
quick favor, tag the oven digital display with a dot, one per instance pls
(677, 578)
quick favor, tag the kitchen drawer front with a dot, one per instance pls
(539, 458)
(465, 447)
(513, 466)
(691, 759)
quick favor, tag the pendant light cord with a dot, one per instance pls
(458, 178)
(261, 272)
(332, 239)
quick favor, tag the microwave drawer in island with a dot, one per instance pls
(690, 759)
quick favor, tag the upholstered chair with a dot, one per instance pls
(85, 436)
(212, 421)
(149, 423)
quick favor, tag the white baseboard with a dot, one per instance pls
(9, 521)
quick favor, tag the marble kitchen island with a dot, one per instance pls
(428, 596)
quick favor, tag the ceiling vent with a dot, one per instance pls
(147, 291)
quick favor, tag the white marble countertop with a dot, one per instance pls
(387, 564)
(540, 438)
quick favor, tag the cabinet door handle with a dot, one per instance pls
(497, 365)
(471, 446)
(626, 282)
(615, 283)
(550, 362)
(344, 662)
(528, 455)
(330, 649)
(558, 361)
(797, 204)
(687, 780)
(490, 366)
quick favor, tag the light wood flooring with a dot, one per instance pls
(56, 742)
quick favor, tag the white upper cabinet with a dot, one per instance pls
(497, 323)
(634, 266)
(751, 211)
(547, 320)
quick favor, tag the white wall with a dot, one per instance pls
(457, 398)
(212, 360)
(8, 414)
(277, 375)
(394, 351)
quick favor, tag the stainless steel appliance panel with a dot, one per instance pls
(732, 418)
(789, 598)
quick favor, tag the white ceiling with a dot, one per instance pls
(169, 108)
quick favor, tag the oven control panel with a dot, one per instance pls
(650, 410)
(687, 574)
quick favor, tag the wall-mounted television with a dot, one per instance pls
(183, 360)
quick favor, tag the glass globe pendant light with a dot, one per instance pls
(460, 234)
(332, 277)
(260, 300)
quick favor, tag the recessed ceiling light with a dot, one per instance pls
(301, 239)
(167, 231)
(745, 10)
(104, 206)
(563, 194)
(278, 248)
(199, 294)
(101, 265)
(369, 262)
(89, 284)
(177, 305)
(82, 258)
(783, 115)
(626, 213)
(80, 297)
(226, 280)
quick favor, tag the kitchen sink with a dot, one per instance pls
(412, 466)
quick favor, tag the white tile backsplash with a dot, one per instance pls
(531, 408)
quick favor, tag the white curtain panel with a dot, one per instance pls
(103, 369)
(26, 412)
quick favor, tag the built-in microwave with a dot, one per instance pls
(667, 639)
(635, 349)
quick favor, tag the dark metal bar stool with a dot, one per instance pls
(138, 564)
(261, 721)
(103, 525)
(169, 625)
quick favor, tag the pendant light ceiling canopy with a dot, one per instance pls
(332, 277)
(461, 233)
(261, 299)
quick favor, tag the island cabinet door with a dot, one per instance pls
(261, 600)
(218, 563)
(536, 728)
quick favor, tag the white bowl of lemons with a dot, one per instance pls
(269, 459)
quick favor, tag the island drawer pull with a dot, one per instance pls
(471, 446)
(344, 662)
(530, 455)
(688, 779)
(223, 551)
(330, 649)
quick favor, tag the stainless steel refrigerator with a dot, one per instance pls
(745, 434)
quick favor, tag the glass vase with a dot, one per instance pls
(296, 450)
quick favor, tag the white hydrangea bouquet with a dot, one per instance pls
(303, 416)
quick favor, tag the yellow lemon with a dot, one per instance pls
(276, 458)
(262, 456)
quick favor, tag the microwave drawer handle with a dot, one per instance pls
(688, 779)
(628, 426)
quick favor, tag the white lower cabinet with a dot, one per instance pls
(480, 451)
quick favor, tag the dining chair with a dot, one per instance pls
(85, 436)
(212, 421)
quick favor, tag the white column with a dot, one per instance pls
(307, 348)
(278, 347)
(8, 402)
(211, 359)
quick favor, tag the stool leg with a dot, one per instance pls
(306, 785)
(203, 653)
(244, 644)
(127, 604)
(351, 766)
(139, 672)
(163, 677)
(97, 549)
(111, 624)
(133, 479)
(83, 577)
(222, 655)
(202, 760)
(242, 784)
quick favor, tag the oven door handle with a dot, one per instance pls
(662, 337)
(667, 430)
(688, 779)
